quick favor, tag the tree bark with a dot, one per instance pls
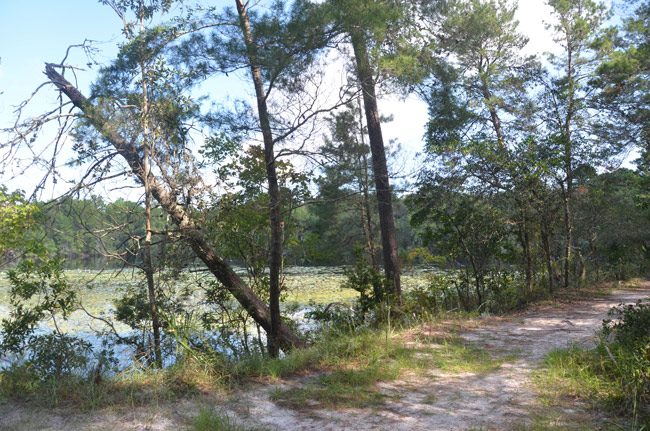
(567, 187)
(275, 258)
(379, 165)
(364, 182)
(568, 232)
(524, 238)
(544, 234)
(148, 262)
(188, 228)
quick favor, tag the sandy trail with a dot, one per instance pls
(500, 400)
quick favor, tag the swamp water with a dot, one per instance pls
(97, 291)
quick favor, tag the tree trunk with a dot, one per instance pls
(568, 232)
(188, 228)
(546, 245)
(148, 263)
(567, 187)
(379, 165)
(153, 301)
(366, 215)
(524, 238)
(275, 258)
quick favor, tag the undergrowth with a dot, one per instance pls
(614, 376)
(343, 367)
(130, 387)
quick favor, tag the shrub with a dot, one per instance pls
(370, 284)
(625, 345)
(54, 355)
(453, 291)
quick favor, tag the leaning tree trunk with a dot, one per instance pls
(379, 165)
(189, 230)
(275, 258)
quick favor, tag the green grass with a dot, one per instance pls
(585, 375)
(129, 388)
(353, 389)
(351, 366)
(209, 420)
(576, 373)
(341, 370)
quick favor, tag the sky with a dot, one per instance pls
(33, 32)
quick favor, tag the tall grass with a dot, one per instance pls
(614, 376)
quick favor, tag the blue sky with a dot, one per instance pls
(37, 31)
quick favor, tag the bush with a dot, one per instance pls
(454, 291)
(53, 356)
(630, 325)
(370, 284)
(625, 346)
(333, 316)
(373, 306)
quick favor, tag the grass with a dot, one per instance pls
(351, 367)
(574, 372)
(129, 388)
(340, 370)
(580, 374)
(209, 420)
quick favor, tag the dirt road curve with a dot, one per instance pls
(500, 400)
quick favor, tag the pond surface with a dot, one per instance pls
(97, 291)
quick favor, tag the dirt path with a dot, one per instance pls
(500, 400)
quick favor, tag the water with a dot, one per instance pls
(305, 287)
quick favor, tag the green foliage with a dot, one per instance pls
(17, 218)
(389, 32)
(613, 224)
(370, 284)
(239, 218)
(468, 231)
(630, 324)
(53, 356)
(133, 309)
(626, 343)
(343, 217)
(615, 375)
(39, 290)
(454, 291)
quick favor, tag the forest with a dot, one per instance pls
(200, 241)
